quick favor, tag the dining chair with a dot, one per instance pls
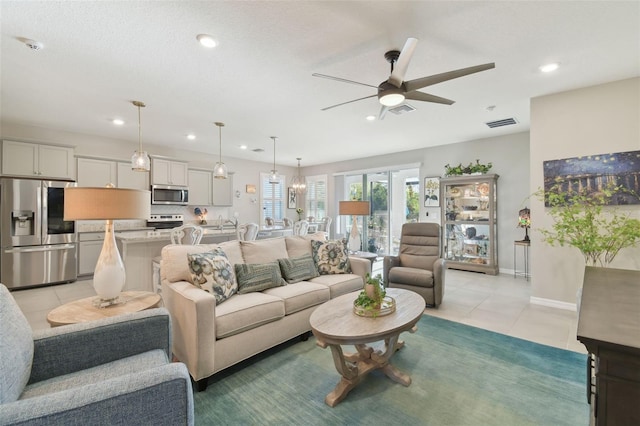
(300, 227)
(188, 233)
(268, 221)
(247, 232)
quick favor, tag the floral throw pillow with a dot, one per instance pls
(212, 272)
(331, 257)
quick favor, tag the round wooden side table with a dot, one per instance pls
(83, 310)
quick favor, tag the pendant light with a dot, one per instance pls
(220, 169)
(273, 174)
(140, 161)
(298, 182)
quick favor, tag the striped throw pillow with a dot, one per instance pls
(296, 269)
(258, 276)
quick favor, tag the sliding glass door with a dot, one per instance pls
(394, 199)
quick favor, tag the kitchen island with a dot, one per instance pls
(139, 248)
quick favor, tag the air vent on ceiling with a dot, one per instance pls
(258, 150)
(402, 109)
(503, 122)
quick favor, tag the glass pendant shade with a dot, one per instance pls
(140, 161)
(220, 169)
(273, 174)
(298, 182)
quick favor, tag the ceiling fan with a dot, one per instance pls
(395, 90)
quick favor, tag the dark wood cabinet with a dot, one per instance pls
(609, 327)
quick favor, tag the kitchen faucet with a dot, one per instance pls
(220, 222)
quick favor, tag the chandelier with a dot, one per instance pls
(220, 169)
(273, 174)
(298, 182)
(140, 161)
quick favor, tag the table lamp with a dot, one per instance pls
(524, 221)
(355, 209)
(108, 204)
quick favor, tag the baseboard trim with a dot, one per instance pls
(553, 303)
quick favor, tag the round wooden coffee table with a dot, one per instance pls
(334, 324)
(83, 310)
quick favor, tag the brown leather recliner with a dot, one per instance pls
(418, 266)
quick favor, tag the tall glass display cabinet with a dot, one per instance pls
(470, 234)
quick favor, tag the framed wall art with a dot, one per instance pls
(592, 173)
(292, 198)
(432, 192)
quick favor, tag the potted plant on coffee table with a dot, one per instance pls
(373, 300)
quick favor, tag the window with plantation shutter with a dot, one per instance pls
(273, 197)
(316, 196)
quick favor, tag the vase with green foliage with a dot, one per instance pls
(586, 220)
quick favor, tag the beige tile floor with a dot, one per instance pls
(497, 303)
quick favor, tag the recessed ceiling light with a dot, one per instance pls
(549, 67)
(118, 122)
(206, 40)
(370, 117)
(191, 136)
(243, 147)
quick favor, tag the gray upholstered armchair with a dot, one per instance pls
(418, 266)
(112, 371)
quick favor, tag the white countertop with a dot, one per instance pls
(165, 234)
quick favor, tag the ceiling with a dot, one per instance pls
(97, 57)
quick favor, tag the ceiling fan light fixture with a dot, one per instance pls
(391, 97)
(220, 169)
(140, 161)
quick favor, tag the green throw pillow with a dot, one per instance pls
(296, 269)
(331, 257)
(212, 272)
(258, 276)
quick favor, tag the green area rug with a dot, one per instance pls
(461, 375)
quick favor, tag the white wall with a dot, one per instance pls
(594, 120)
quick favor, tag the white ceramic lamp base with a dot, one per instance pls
(355, 242)
(109, 276)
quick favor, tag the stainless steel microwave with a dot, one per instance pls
(168, 194)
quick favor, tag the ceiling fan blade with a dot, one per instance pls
(383, 112)
(342, 80)
(401, 65)
(348, 102)
(419, 83)
(425, 97)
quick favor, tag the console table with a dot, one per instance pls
(609, 327)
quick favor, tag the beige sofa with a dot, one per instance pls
(210, 338)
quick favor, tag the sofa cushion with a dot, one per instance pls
(340, 284)
(246, 311)
(300, 296)
(16, 342)
(258, 276)
(98, 374)
(298, 245)
(212, 272)
(411, 276)
(174, 266)
(331, 257)
(296, 269)
(263, 251)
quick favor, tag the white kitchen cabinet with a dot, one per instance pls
(96, 172)
(89, 250)
(127, 178)
(223, 191)
(37, 160)
(168, 172)
(200, 186)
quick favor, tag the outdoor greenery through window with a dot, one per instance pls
(316, 197)
(273, 197)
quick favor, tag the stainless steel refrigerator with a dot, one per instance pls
(37, 245)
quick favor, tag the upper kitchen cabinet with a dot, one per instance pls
(200, 187)
(37, 160)
(223, 191)
(169, 172)
(96, 172)
(127, 178)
